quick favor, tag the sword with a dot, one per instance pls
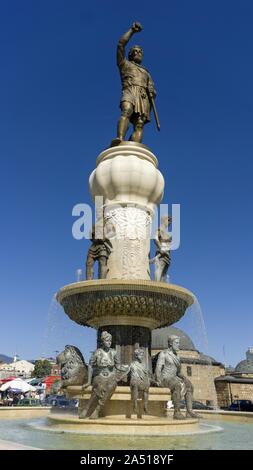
(152, 102)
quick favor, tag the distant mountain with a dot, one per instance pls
(6, 359)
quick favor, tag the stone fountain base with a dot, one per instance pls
(119, 419)
(121, 426)
(120, 403)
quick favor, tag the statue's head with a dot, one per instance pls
(174, 342)
(136, 54)
(139, 354)
(106, 339)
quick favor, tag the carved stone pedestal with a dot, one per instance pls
(127, 179)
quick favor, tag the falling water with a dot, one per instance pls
(79, 275)
(60, 330)
(193, 324)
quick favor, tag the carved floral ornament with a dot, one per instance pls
(129, 222)
(161, 309)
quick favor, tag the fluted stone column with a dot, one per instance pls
(127, 178)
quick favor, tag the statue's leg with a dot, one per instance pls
(123, 123)
(175, 389)
(158, 269)
(138, 129)
(134, 397)
(102, 271)
(105, 389)
(91, 407)
(164, 270)
(97, 398)
(188, 400)
(145, 394)
(89, 269)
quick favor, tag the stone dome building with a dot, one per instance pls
(245, 367)
(238, 384)
(199, 368)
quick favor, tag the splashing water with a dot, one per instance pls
(60, 330)
(194, 326)
(192, 323)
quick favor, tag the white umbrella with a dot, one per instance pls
(18, 384)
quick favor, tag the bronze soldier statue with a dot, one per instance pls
(100, 251)
(137, 89)
(168, 374)
(162, 256)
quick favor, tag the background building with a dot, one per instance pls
(237, 384)
(21, 368)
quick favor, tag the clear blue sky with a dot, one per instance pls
(59, 96)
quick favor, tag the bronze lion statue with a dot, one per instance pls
(74, 370)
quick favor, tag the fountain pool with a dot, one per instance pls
(217, 432)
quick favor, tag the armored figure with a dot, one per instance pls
(168, 374)
(137, 88)
(100, 251)
(104, 372)
(139, 380)
(162, 256)
(74, 370)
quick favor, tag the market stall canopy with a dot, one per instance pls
(17, 384)
(7, 379)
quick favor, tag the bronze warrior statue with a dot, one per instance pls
(168, 374)
(162, 256)
(138, 91)
(100, 251)
(104, 372)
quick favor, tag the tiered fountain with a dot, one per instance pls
(127, 303)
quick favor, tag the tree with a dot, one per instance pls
(42, 368)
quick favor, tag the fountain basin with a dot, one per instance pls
(121, 426)
(102, 302)
(118, 418)
(236, 434)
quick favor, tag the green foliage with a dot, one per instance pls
(42, 368)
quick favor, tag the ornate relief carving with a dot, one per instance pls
(164, 308)
(130, 223)
(131, 243)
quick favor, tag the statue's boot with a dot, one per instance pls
(83, 414)
(178, 415)
(123, 125)
(189, 412)
(116, 142)
(89, 272)
(176, 396)
(135, 409)
(95, 414)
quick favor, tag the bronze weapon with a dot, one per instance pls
(152, 102)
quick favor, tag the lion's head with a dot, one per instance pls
(74, 370)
